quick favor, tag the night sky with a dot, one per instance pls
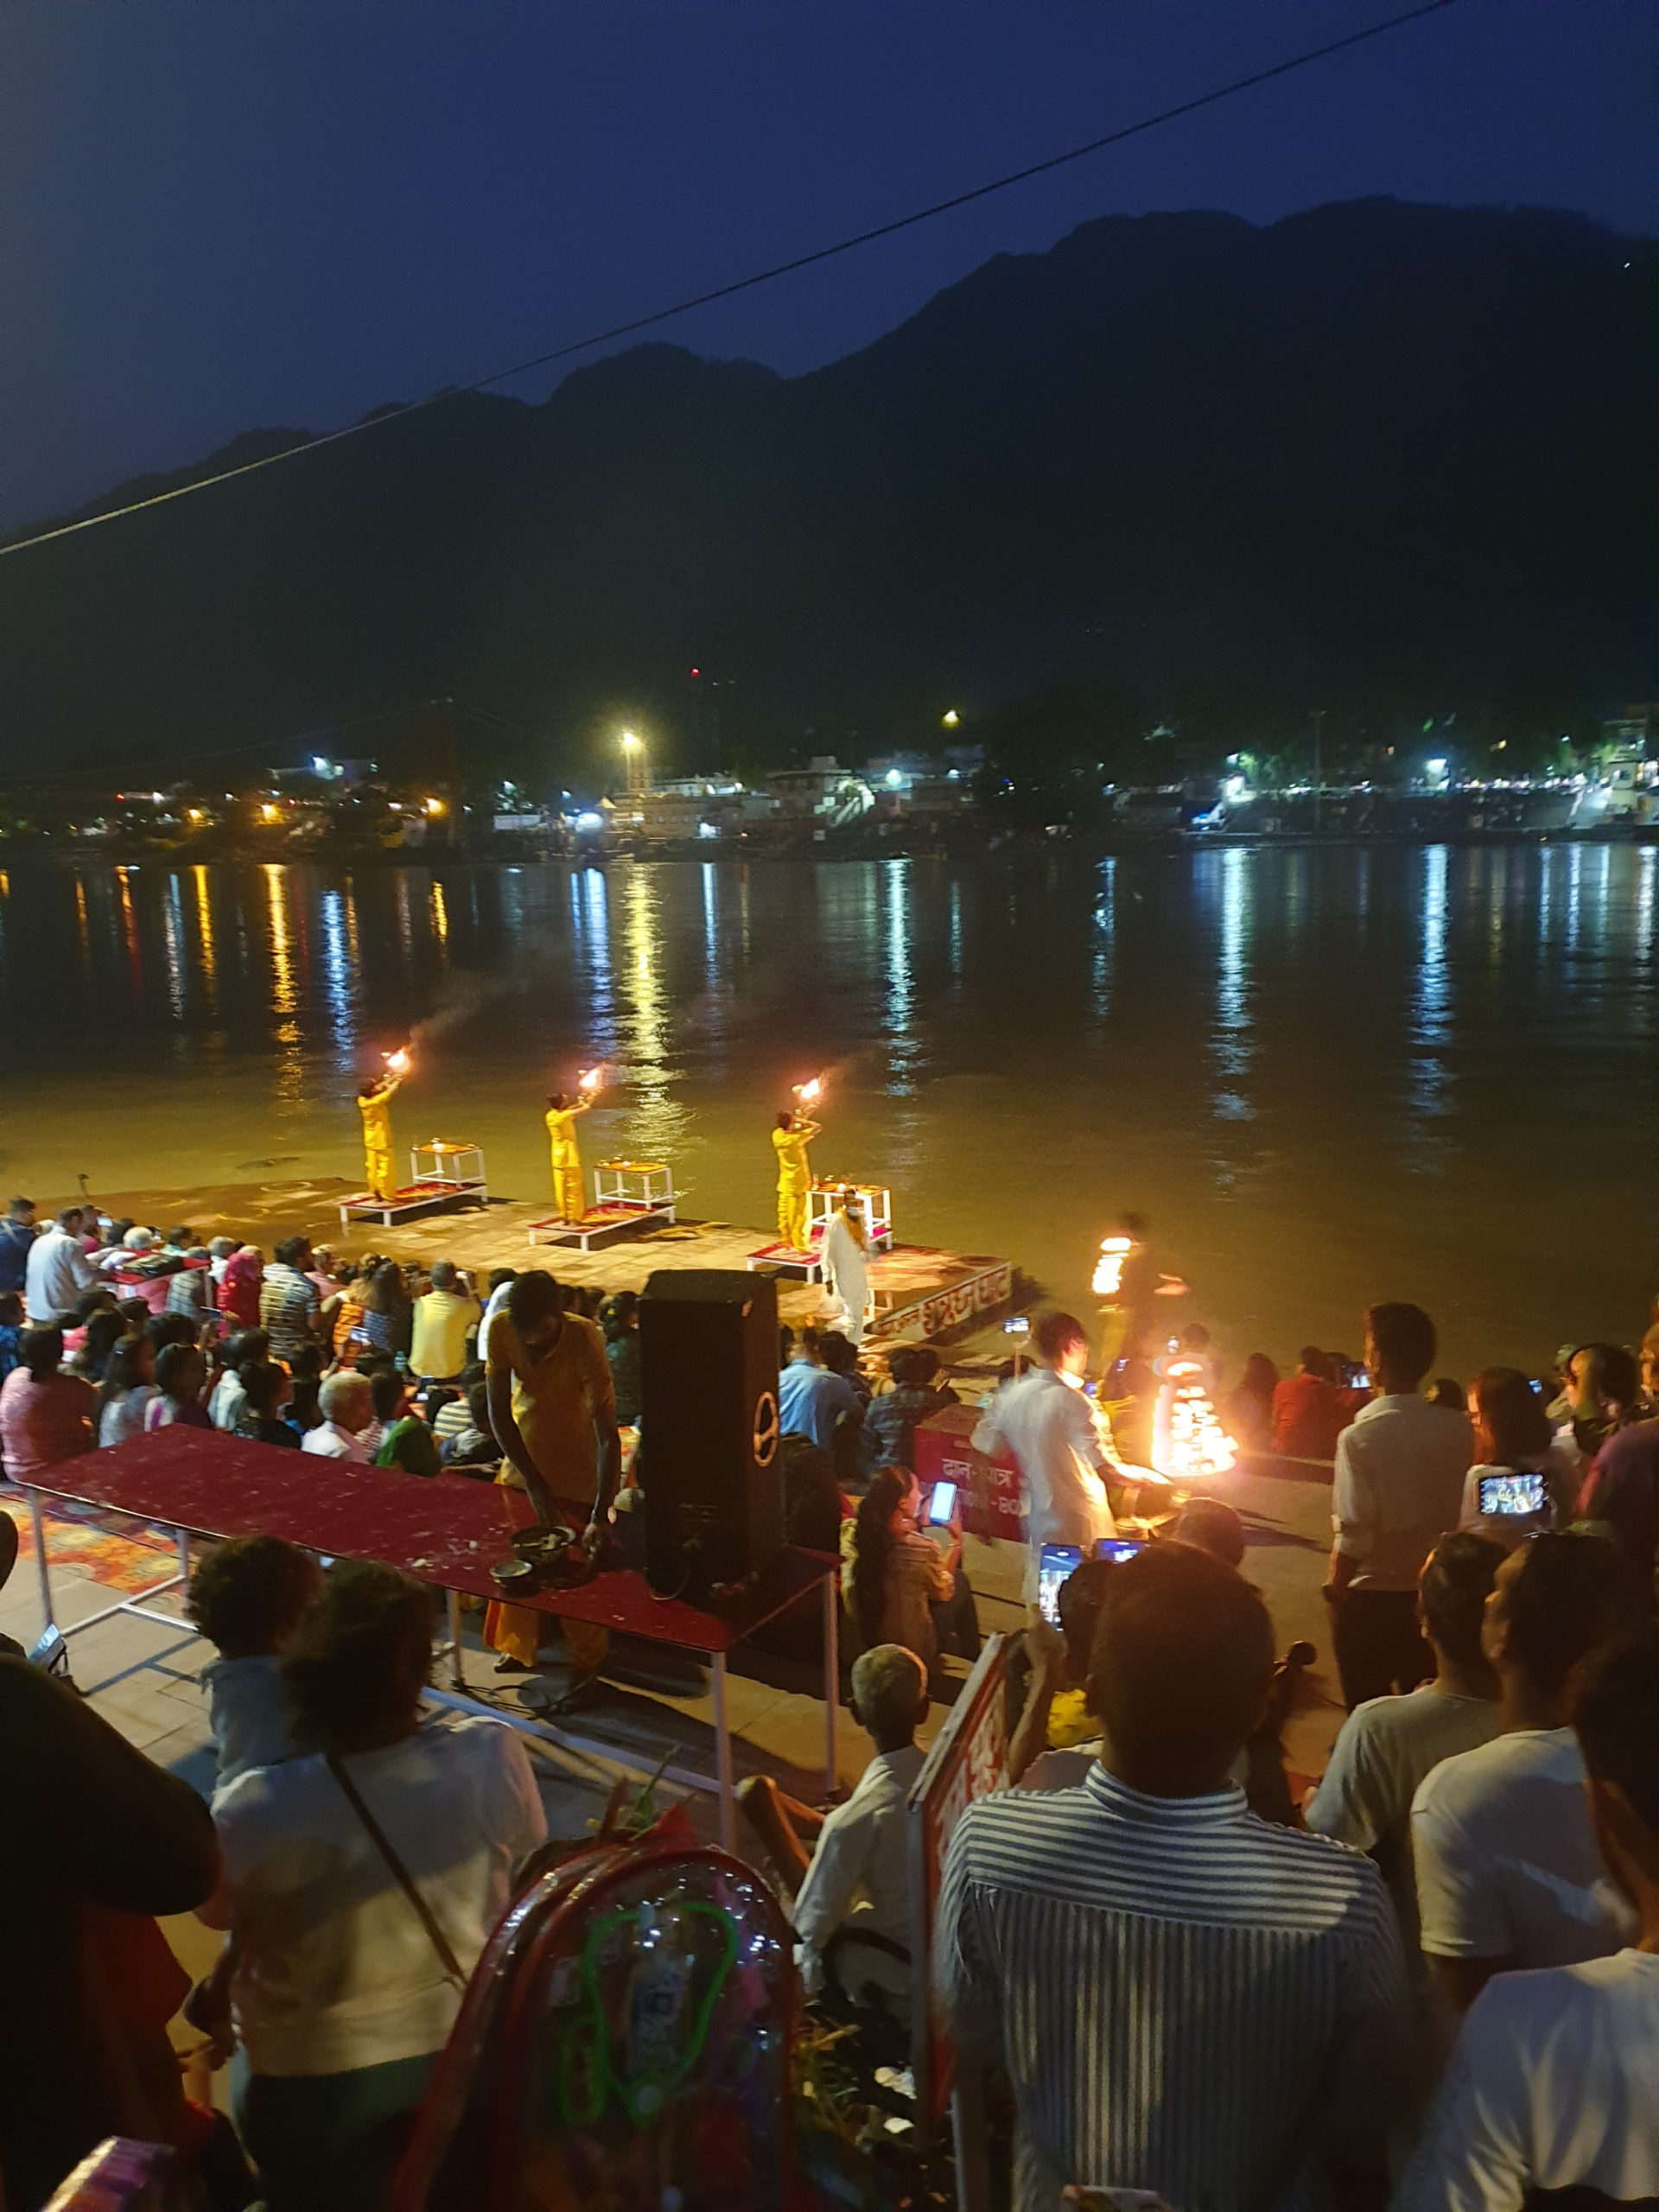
(223, 214)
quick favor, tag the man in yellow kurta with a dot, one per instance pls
(790, 1139)
(567, 1158)
(374, 1104)
(553, 1411)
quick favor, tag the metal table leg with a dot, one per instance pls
(831, 1683)
(38, 1520)
(455, 1673)
(723, 1756)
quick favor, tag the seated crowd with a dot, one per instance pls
(1437, 1975)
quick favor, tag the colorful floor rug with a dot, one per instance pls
(123, 1554)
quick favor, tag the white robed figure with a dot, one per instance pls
(846, 1258)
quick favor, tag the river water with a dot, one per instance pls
(1328, 1075)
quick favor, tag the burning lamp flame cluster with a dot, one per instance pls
(1188, 1440)
(1108, 1268)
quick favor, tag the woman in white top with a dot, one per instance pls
(128, 1387)
(342, 1993)
(1512, 1442)
(846, 1258)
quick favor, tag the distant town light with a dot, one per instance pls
(435, 806)
(629, 741)
(708, 829)
(1234, 788)
(318, 764)
(1437, 770)
(590, 821)
(894, 780)
(953, 775)
(195, 814)
(951, 718)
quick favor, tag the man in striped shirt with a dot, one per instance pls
(1186, 1999)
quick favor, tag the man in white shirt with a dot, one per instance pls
(1397, 1490)
(346, 1403)
(1389, 1744)
(860, 1876)
(1047, 1426)
(57, 1270)
(1551, 2087)
(1508, 1873)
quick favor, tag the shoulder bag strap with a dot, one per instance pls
(401, 1874)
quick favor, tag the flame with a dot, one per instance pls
(810, 1093)
(1189, 1442)
(1109, 1269)
(398, 1063)
(590, 1079)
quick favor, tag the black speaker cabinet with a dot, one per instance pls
(709, 1427)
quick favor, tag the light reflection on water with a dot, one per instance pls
(1432, 1001)
(1314, 1068)
(1232, 1036)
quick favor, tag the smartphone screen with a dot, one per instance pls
(943, 1504)
(1119, 1549)
(1512, 1493)
(1058, 1563)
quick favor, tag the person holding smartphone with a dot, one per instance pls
(898, 1585)
(1523, 1478)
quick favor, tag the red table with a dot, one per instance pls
(447, 1529)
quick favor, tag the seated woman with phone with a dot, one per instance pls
(1523, 1478)
(898, 1585)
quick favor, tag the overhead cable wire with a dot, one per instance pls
(382, 415)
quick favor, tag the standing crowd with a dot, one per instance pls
(1433, 1981)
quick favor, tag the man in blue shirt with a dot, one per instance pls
(812, 1401)
(17, 1235)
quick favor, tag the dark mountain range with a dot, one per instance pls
(1377, 458)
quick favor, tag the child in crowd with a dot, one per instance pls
(406, 1442)
(246, 1348)
(181, 1378)
(473, 1448)
(848, 1871)
(266, 1389)
(129, 1389)
(246, 1597)
(453, 1417)
(306, 1371)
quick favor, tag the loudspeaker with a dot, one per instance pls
(709, 1427)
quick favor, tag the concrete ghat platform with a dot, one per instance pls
(920, 1291)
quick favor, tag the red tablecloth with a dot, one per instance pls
(447, 1529)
